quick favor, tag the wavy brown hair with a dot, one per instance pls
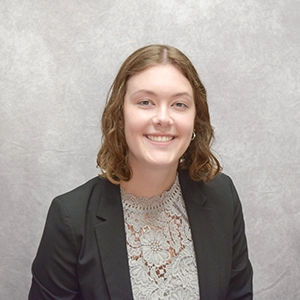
(113, 155)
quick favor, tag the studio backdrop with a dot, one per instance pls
(57, 61)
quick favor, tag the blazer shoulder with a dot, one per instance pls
(220, 181)
(222, 193)
(82, 192)
(218, 193)
(83, 198)
(221, 185)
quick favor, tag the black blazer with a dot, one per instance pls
(83, 255)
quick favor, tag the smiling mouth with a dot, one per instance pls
(161, 139)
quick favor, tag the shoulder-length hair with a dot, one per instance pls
(113, 155)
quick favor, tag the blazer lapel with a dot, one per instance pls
(111, 240)
(202, 222)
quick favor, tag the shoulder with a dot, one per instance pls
(219, 193)
(220, 184)
(220, 180)
(79, 208)
(222, 191)
(83, 200)
(84, 191)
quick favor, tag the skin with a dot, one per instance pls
(159, 114)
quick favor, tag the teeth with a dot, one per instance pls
(159, 138)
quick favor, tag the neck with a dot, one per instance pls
(149, 183)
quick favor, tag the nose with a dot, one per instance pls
(162, 117)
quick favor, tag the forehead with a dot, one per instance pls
(161, 76)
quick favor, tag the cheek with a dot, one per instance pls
(126, 120)
(189, 124)
(135, 120)
(130, 125)
(187, 130)
(131, 129)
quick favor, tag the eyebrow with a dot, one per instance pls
(149, 92)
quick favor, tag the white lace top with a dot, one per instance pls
(160, 248)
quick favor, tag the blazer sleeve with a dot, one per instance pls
(54, 268)
(240, 286)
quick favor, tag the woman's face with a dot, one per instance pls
(159, 114)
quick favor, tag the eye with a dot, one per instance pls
(145, 102)
(180, 105)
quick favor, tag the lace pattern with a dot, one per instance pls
(160, 248)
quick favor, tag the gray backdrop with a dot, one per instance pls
(57, 61)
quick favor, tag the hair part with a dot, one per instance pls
(113, 155)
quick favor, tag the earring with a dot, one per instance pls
(193, 136)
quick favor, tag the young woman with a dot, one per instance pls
(161, 222)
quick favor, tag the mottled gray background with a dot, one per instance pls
(57, 61)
